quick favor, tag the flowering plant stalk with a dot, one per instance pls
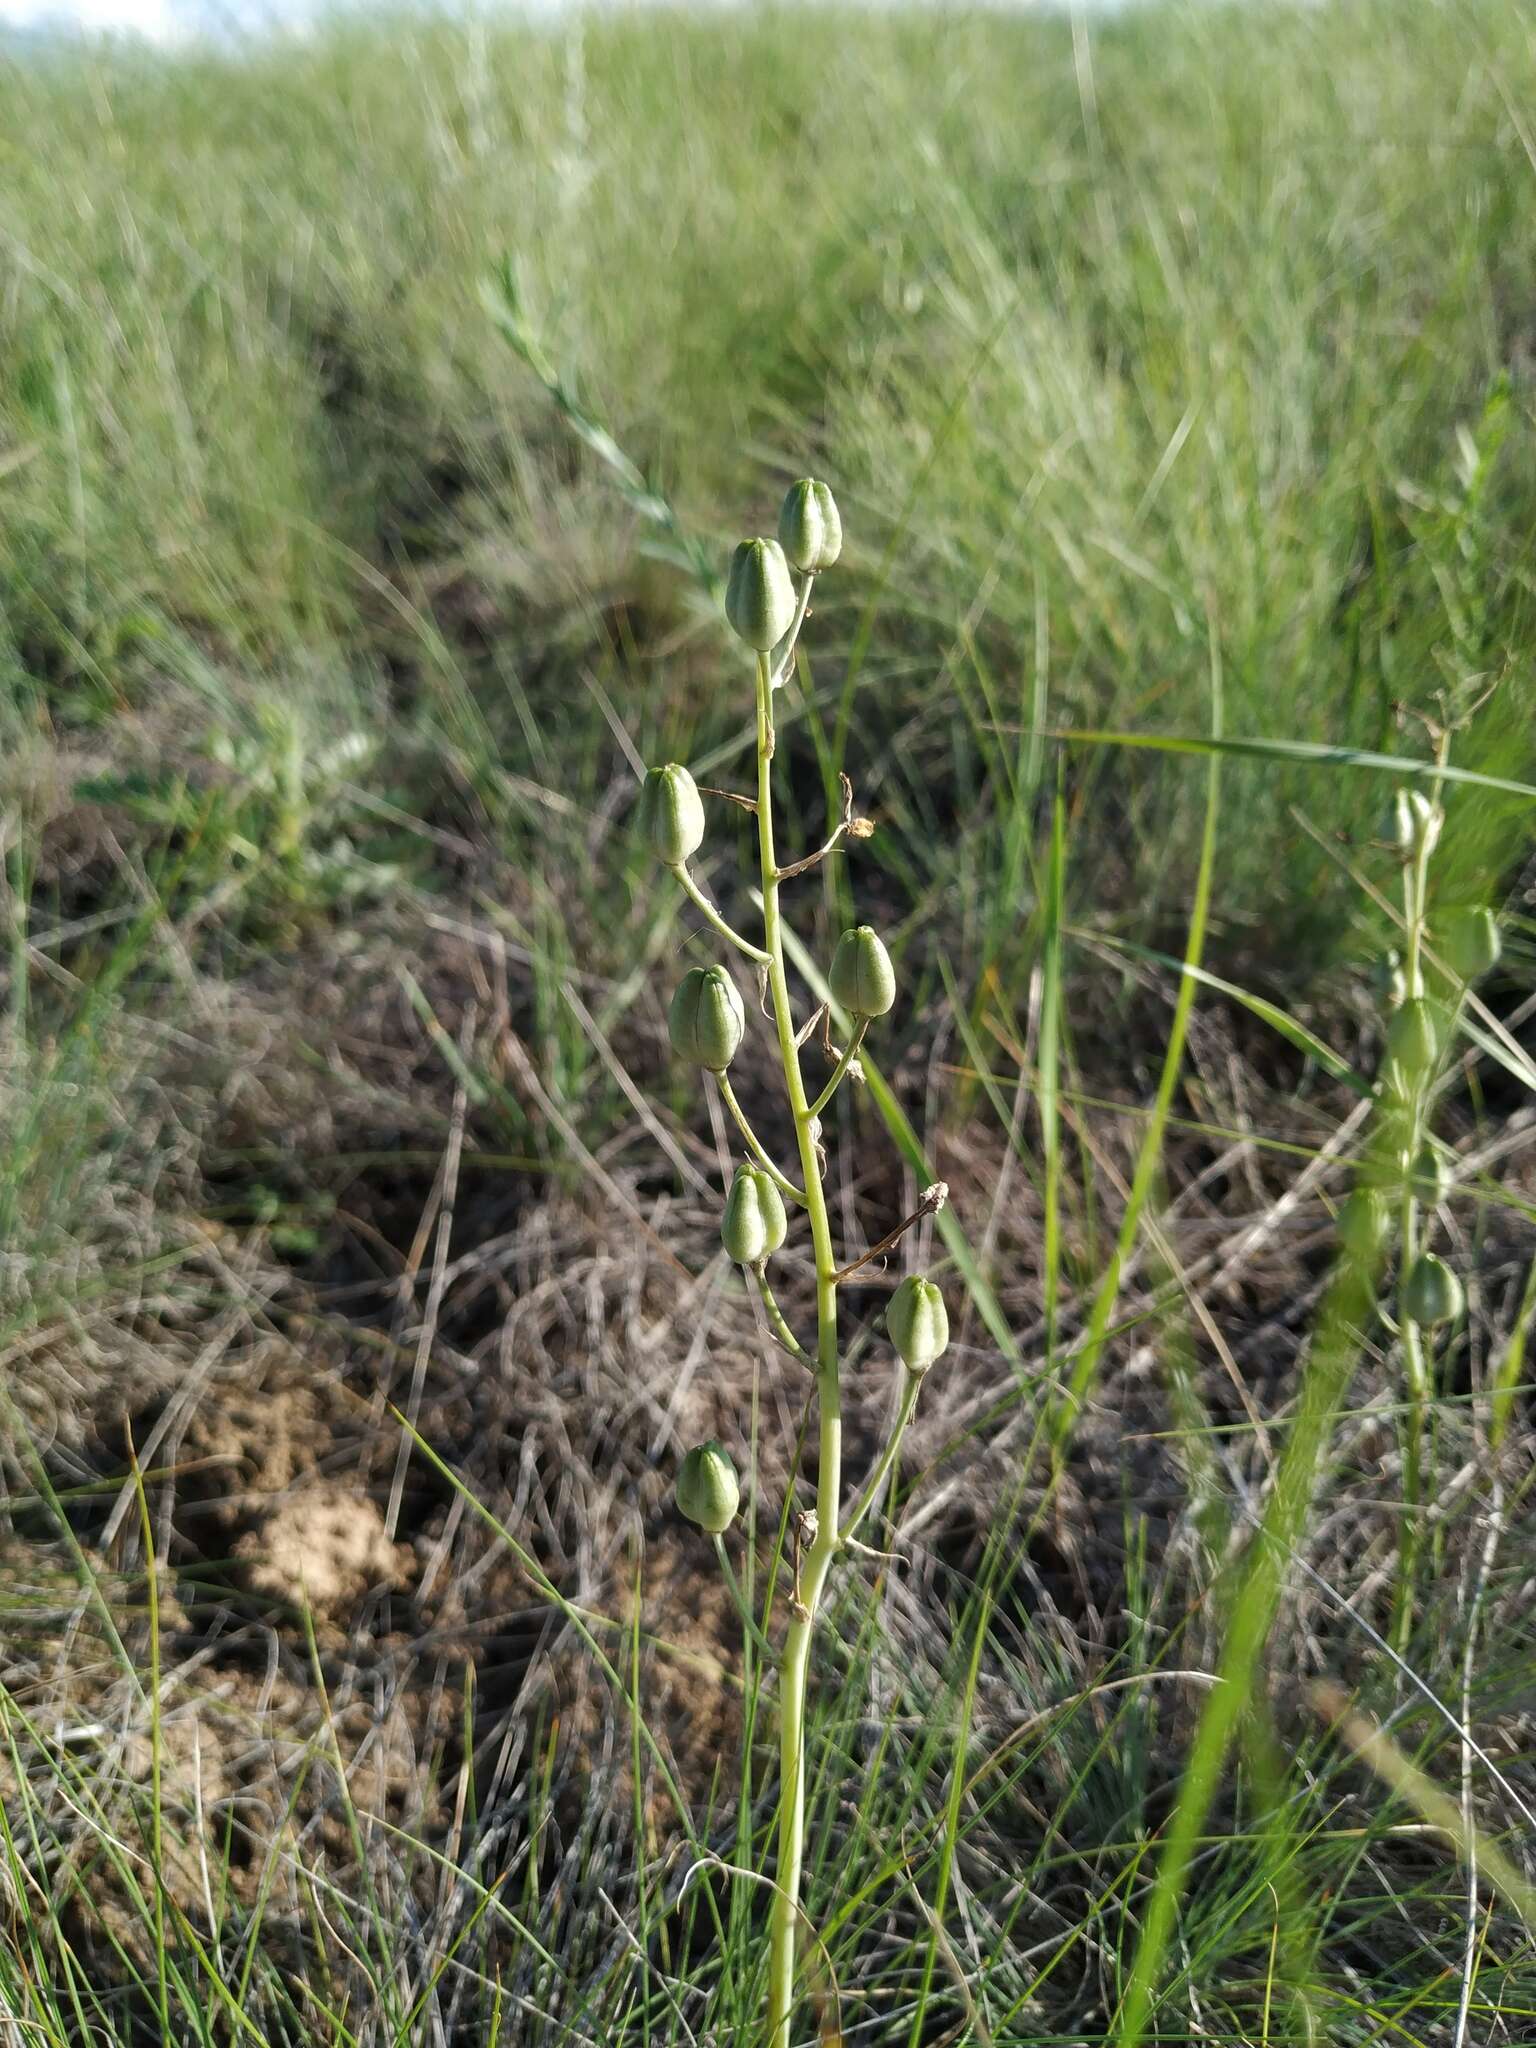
(1421, 1021)
(767, 596)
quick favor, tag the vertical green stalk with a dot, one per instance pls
(795, 1659)
(1415, 1364)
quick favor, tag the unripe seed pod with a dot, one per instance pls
(1414, 822)
(754, 1224)
(862, 978)
(1431, 1175)
(759, 597)
(1390, 980)
(1469, 941)
(707, 1490)
(810, 526)
(1363, 1224)
(706, 1020)
(1431, 1294)
(1413, 1037)
(671, 814)
(918, 1323)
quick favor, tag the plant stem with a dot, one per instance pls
(795, 1659)
(781, 660)
(712, 917)
(779, 1326)
(755, 1144)
(844, 1063)
(877, 1478)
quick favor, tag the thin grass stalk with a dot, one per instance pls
(1063, 1411)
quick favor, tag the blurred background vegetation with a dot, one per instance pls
(1223, 315)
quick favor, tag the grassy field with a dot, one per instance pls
(376, 414)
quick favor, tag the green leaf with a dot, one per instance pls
(1305, 752)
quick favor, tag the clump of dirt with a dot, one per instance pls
(255, 1452)
(269, 1769)
(323, 1548)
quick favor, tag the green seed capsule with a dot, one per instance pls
(671, 814)
(759, 597)
(1431, 1175)
(706, 1020)
(707, 1490)
(1414, 822)
(918, 1323)
(754, 1224)
(1469, 941)
(1413, 1038)
(1390, 980)
(862, 979)
(1431, 1294)
(810, 527)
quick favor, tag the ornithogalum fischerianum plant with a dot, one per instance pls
(767, 594)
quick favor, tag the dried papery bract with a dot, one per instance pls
(765, 606)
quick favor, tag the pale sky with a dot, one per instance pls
(151, 17)
(161, 20)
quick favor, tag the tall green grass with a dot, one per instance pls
(1206, 313)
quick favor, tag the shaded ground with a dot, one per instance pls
(353, 1661)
